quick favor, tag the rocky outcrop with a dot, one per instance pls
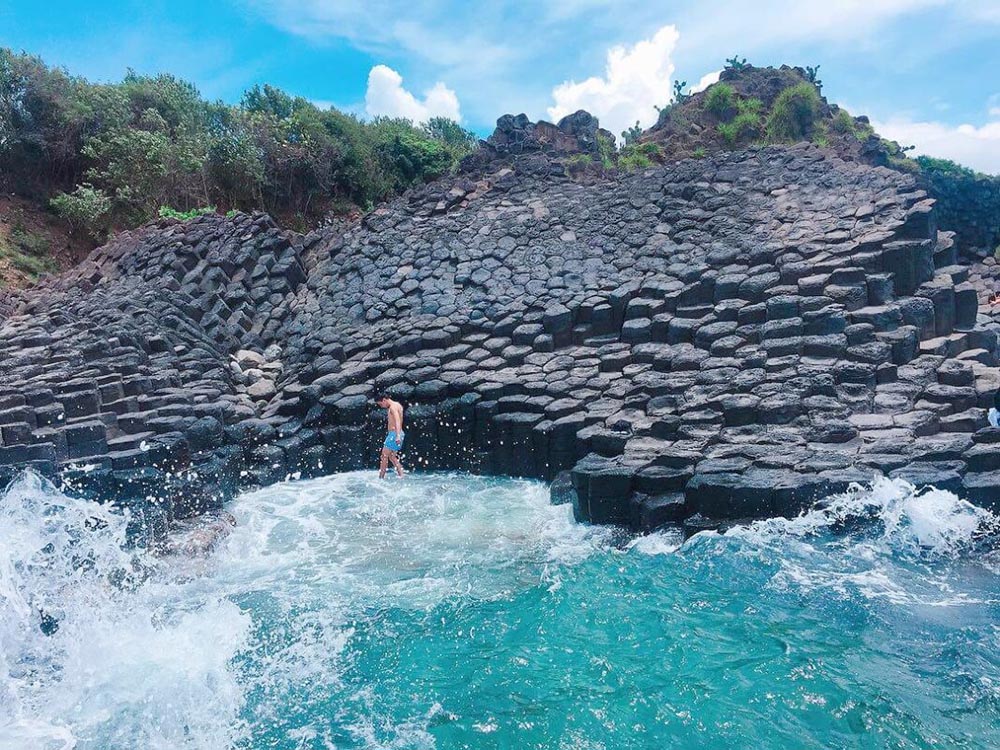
(968, 204)
(725, 337)
(539, 146)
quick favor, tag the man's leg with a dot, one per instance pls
(394, 457)
(383, 463)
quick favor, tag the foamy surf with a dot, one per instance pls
(449, 610)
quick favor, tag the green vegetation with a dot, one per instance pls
(631, 135)
(27, 252)
(578, 163)
(700, 153)
(812, 75)
(36, 245)
(166, 212)
(85, 208)
(794, 112)
(897, 158)
(735, 63)
(745, 126)
(947, 167)
(605, 151)
(634, 161)
(110, 155)
(639, 156)
(719, 100)
(821, 135)
(680, 96)
(844, 124)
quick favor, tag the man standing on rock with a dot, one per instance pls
(394, 436)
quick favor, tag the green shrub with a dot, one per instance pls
(793, 114)
(652, 150)
(633, 161)
(578, 163)
(744, 127)
(639, 156)
(728, 132)
(605, 151)
(821, 135)
(812, 75)
(944, 166)
(751, 106)
(86, 208)
(699, 153)
(897, 158)
(844, 123)
(719, 100)
(681, 96)
(166, 212)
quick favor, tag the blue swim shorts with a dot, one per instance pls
(394, 441)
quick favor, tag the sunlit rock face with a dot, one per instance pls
(730, 336)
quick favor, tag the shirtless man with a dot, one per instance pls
(394, 436)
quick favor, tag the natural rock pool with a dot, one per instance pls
(456, 611)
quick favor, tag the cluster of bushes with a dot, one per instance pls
(632, 156)
(111, 155)
(796, 115)
(739, 117)
(933, 166)
(793, 116)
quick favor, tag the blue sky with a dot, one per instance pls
(925, 71)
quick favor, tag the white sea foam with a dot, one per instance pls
(663, 542)
(152, 653)
(891, 516)
(876, 541)
(129, 660)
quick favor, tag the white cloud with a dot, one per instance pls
(993, 105)
(387, 96)
(506, 55)
(706, 80)
(635, 81)
(969, 145)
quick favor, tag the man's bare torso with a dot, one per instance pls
(395, 416)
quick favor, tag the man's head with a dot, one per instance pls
(382, 400)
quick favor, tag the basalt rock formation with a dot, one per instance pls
(712, 338)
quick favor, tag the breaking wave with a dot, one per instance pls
(448, 610)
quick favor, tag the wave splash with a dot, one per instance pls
(888, 540)
(102, 646)
(97, 647)
(278, 636)
(893, 517)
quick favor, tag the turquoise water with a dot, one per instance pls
(448, 611)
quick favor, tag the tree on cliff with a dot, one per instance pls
(111, 155)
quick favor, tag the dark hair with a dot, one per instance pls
(380, 396)
(996, 400)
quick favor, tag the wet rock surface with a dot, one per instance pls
(726, 337)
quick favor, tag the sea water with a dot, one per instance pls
(449, 611)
